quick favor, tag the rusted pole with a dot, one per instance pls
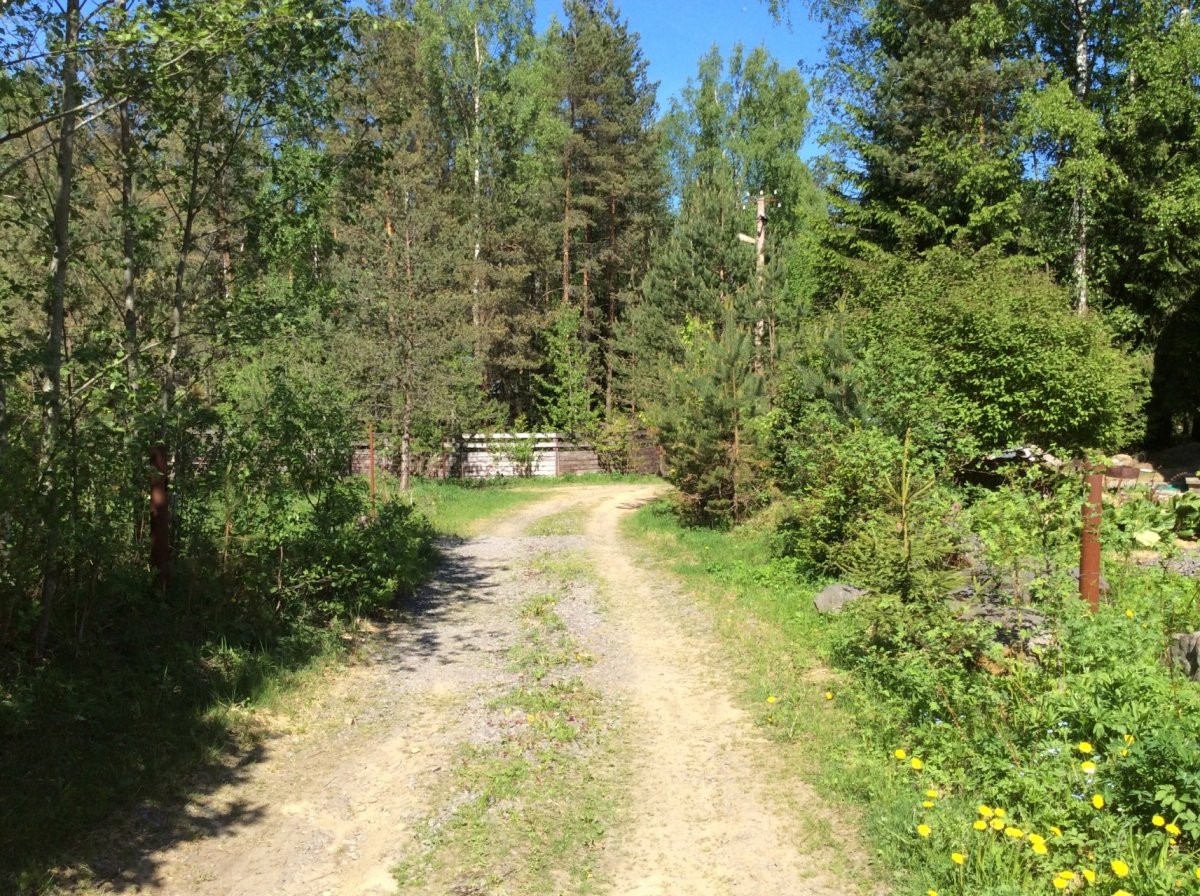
(160, 517)
(371, 461)
(1089, 554)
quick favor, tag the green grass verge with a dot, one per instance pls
(529, 810)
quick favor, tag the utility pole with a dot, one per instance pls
(759, 241)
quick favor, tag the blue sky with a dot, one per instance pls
(675, 34)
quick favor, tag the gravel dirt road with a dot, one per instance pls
(337, 794)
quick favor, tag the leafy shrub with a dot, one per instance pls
(833, 470)
(1093, 746)
(976, 353)
(1187, 515)
(1027, 528)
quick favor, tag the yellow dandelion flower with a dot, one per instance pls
(1039, 848)
(1128, 738)
(1122, 893)
(1066, 875)
(927, 804)
(999, 813)
(1036, 838)
(1198, 873)
(997, 824)
(829, 695)
(1055, 830)
(1015, 833)
(957, 858)
(1085, 747)
(931, 893)
(980, 825)
(917, 764)
(1120, 869)
(1158, 821)
(986, 811)
(1088, 766)
(1173, 829)
(772, 698)
(1060, 884)
(1089, 875)
(901, 755)
(1129, 613)
(924, 830)
(1124, 753)
(933, 794)
(1098, 801)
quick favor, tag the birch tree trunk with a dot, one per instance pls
(55, 318)
(1079, 210)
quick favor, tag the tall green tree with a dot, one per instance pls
(611, 187)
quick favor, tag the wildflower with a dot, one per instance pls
(997, 824)
(1129, 613)
(1089, 767)
(1066, 875)
(1120, 869)
(1085, 747)
(1128, 738)
(1060, 883)
(931, 893)
(1055, 830)
(917, 764)
(901, 755)
(999, 813)
(1124, 753)
(1173, 829)
(933, 794)
(927, 804)
(957, 858)
(1089, 875)
(981, 825)
(1122, 893)
(1036, 838)
(924, 830)
(1015, 833)
(829, 695)
(1097, 801)
(986, 811)
(1198, 873)
(772, 698)
(1158, 821)
(1039, 848)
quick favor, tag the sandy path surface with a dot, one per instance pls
(333, 800)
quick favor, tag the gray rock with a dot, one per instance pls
(1015, 627)
(836, 596)
(1185, 654)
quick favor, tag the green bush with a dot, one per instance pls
(977, 353)
(1091, 744)
(834, 472)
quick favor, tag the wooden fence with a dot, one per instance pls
(485, 455)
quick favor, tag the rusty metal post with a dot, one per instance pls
(1089, 554)
(371, 461)
(160, 516)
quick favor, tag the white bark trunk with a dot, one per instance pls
(1079, 203)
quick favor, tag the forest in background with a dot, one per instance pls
(241, 233)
